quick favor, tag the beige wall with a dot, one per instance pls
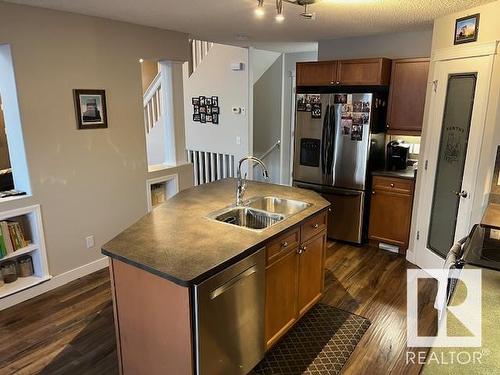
(149, 70)
(92, 181)
(393, 46)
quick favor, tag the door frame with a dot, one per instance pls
(484, 54)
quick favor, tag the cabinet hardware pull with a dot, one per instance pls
(373, 192)
(331, 83)
(316, 226)
(304, 248)
(284, 244)
(392, 185)
(300, 250)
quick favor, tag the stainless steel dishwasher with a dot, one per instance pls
(229, 318)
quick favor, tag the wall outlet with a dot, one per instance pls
(90, 241)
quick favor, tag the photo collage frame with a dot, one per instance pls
(206, 109)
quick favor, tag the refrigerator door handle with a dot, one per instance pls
(323, 140)
(332, 139)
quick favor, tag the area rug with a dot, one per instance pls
(319, 344)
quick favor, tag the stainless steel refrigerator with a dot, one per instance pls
(339, 140)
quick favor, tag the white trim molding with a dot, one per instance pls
(465, 51)
(172, 182)
(54, 282)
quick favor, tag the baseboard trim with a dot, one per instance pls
(53, 283)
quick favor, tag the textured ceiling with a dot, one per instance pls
(233, 21)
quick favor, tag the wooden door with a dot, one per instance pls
(405, 113)
(318, 73)
(281, 297)
(390, 211)
(364, 72)
(311, 273)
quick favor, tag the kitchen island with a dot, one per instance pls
(161, 264)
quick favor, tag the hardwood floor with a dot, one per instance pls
(70, 330)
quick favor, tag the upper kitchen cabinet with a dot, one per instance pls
(320, 73)
(407, 96)
(364, 72)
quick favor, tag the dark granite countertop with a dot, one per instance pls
(178, 242)
(408, 173)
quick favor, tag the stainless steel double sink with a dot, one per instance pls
(259, 213)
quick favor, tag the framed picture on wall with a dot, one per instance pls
(466, 29)
(90, 109)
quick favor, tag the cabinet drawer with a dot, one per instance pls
(396, 185)
(313, 226)
(279, 247)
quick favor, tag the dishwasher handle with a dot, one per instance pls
(232, 282)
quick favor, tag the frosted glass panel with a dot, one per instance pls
(451, 161)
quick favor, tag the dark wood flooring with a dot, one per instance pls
(70, 330)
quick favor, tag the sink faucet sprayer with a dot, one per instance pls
(242, 182)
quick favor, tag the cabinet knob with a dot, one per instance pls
(387, 126)
(392, 185)
(300, 250)
(331, 83)
(373, 192)
(316, 226)
(330, 209)
(284, 244)
(338, 82)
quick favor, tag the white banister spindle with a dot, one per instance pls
(210, 166)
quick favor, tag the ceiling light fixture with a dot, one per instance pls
(259, 11)
(279, 9)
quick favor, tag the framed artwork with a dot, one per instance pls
(90, 109)
(466, 29)
(206, 109)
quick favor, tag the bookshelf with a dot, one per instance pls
(31, 220)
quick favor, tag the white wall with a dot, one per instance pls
(268, 117)
(289, 77)
(442, 39)
(395, 45)
(92, 181)
(214, 77)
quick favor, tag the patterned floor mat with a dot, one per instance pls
(320, 344)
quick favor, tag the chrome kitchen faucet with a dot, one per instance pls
(242, 182)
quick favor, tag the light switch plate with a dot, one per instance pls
(90, 241)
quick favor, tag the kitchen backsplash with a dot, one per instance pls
(495, 188)
(413, 141)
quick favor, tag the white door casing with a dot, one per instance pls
(455, 60)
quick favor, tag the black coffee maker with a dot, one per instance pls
(397, 155)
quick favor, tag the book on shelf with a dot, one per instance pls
(11, 237)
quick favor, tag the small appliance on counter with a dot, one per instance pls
(397, 155)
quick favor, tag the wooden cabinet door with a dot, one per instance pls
(364, 72)
(405, 112)
(318, 73)
(390, 216)
(281, 297)
(311, 273)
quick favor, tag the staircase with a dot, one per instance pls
(153, 105)
(199, 49)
